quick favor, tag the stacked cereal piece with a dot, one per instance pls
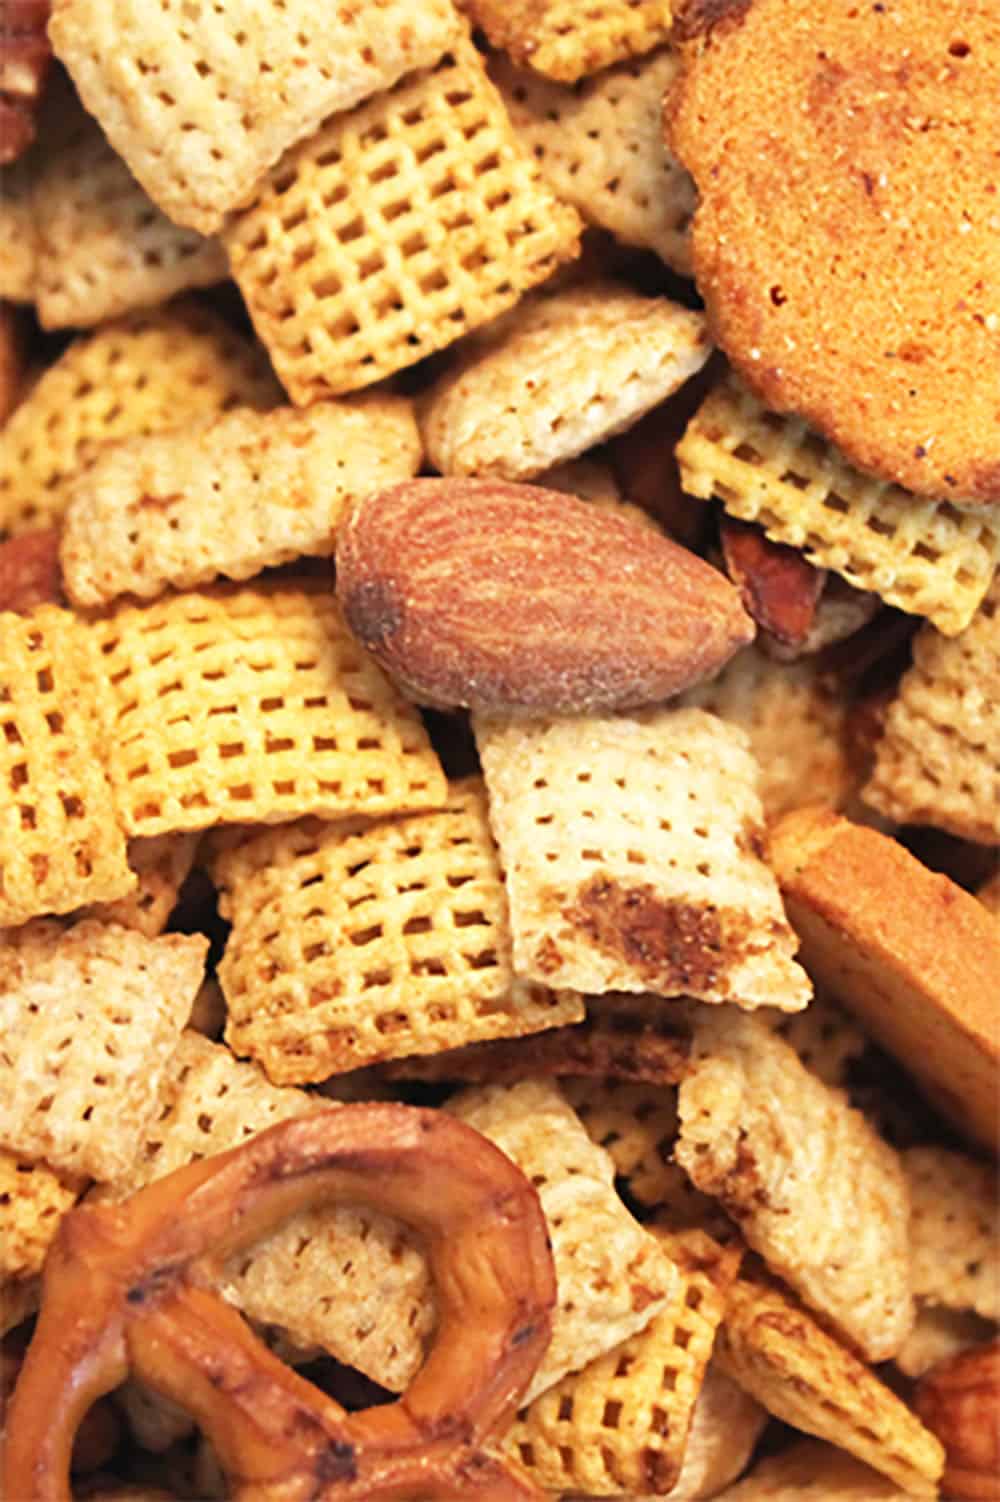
(554, 38)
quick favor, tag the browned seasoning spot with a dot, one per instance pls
(677, 942)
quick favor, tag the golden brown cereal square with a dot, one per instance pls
(33, 1200)
(161, 864)
(60, 841)
(565, 40)
(394, 230)
(254, 704)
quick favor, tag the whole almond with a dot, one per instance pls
(959, 1400)
(500, 597)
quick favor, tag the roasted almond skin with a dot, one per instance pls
(485, 595)
(959, 1400)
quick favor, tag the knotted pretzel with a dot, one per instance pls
(128, 1287)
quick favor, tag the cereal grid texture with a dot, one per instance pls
(637, 1125)
(231, 496)
(140, 374)
(775, 1350)
(955, 1230)
(630, 847)
(60, 844)
(938, 760)
(826, 1038)
(565, 372)
(103, 247)
(394, 230)
(252, 705)
(796, 725)
(600, 147)
(352, 947)
(33, 1200)
(17, 232)
(622, 1423)
(161, 864)
(924, 556)
(201, 98)
(87, 1029)
(346, 1279)
(613, 1277)
(814, 1472)
(813, 1188)
(564, 39)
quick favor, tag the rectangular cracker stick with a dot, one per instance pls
(237, 705)
(912, 955)
(233, 495)
(558, 39)
(394, 230)
(613, 1276)
(88, 1026)
(201, 110)
(954, 1230)
(60, 841)
(924, 556)
(348, 947)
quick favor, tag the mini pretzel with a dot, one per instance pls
(128, 1287)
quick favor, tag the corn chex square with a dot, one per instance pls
(637, 1125)
(814, 1189)
(140, 374)
(346, 1279)
(233, 495)
(348, 947)
(938, 760)
(777, 1352)
(599, 357)
(243, 705)
(200, 103)
(622, 1423)
(826, 1038)
(954, 1230)
(632, 847)
(161, 864)
(564, 40)
(924, 556)
(17, 231)
(60, 842)
(33, 1200)
(613, 1277)
(394, 230)
(87, 1026)
(600, 145)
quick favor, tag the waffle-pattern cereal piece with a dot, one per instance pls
(796, 723)
(231, 496)
(394, 230)
(600, 145)
(60, 844)
(613, 1276)
(813, 1472)
(632, 851)
(253, 704)
(622, 1423)
(351, 947)
(566, 371)
(909, 953)
(88, 1026)
(938, 760)
(347, 1279)
(139, 374)
(826, 1038)
(637, 1125)
(939, 1334)
(814, 1189)
(924, 556)
(18, 250)
(954, 1230)
(805, 1377)
(33, 1200)
(200, 105)
(563, 41)
(161, 864)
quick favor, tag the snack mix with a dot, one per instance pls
(499, 750)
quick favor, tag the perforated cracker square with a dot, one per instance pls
(233, 495)
(200, 103)
(161, 864)
(622, 1423)
(347, 1279)
(613, 1276)
(394, 230)
(60, 841)
(777, 1352)
(938, 759)
(637, 1125)
(351, 947)
(633, 852)
(243, 705)
(139, 374)
(33, 1200)
(17, 231)
(924, 556)
(88, 1025)
(954, 1230)
(600, 145)
(565, 40)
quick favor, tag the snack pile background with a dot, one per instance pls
(500, 613)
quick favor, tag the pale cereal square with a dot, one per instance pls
(954, 1230)
(564, 39)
